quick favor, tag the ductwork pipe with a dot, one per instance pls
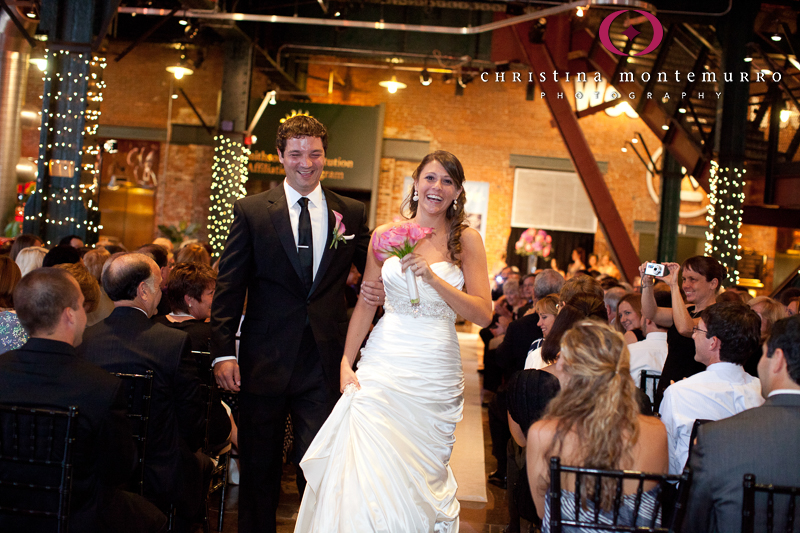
(13, 75)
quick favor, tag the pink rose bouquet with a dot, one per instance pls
(400, 241)
(534, 242)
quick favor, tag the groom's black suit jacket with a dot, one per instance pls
(261, 261)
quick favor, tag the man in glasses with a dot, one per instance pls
(726, 336)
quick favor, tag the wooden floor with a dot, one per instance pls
(490, 517)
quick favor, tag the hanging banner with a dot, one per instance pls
(354, 138)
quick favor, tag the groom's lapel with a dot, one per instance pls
(329, 253)
(279, 213)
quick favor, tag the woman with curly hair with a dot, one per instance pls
(595, 422)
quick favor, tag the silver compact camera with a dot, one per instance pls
(654, 269)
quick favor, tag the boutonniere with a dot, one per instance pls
(338, 231)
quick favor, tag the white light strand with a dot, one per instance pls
(58, 125)
(228, 176)
(724, 217)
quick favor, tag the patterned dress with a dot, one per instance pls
(12, 334)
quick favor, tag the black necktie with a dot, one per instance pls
(305, 243)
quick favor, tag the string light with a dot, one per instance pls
(228, 176)
(73, 105)
(724, 217)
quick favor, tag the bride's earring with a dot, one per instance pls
(455, 203)
(416, 196)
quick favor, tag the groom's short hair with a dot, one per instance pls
(300, 126)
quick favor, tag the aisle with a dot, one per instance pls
(467, 460)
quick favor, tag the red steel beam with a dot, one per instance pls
(677, 140)
(582, 157)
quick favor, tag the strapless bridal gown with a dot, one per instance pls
(380, 463)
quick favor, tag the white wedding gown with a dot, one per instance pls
(380, 463)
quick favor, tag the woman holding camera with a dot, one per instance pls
(700, 278)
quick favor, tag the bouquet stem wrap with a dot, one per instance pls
(413, 292)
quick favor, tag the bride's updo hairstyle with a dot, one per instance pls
(598, 403)
(455, 215)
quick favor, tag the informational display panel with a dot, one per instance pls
(551, 200)
(354, 139)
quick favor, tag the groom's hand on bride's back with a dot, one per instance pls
(227, 375)
(372, 292)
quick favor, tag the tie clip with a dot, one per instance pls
(302, 246)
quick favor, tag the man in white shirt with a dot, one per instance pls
(758, 441)
(650, 353)
(726, 336)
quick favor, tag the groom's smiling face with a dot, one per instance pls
(303, 160)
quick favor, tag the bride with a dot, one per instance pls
(380, 463)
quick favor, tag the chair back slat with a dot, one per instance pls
(36, 447)
(138, 392)
(555, 495)
(617, 500)
(648, 383)
(633, 512)
(749, 490)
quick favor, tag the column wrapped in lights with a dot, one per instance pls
(228, 176)
(65, 200)
(726, 194)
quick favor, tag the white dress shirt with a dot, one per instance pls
(534, 359)
(318, 211)
(722, 390)
(648, 354)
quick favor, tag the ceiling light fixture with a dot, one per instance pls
(775, 37)
(425, 77)
(183, 22)
(40, 62)
(392, 85)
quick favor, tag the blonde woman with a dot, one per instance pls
(595, 421)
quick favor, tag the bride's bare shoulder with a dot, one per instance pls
(471, 241)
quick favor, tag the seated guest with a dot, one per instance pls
(191, 290)
(578, 284)
(769, 310)
(629, 318)
(30, 258)
(651, 353)
(757, 441)
(127, 341)
(94, 260)
(580, 307)
(527, 331)
(611, 298)
(63, 253)
(526, 287)
(529, 392)
(546, 310)
(71, 240)
(12, 334)
(164, 260)
(193, 253)
(727, 334)
(26, 240)
(46, 372)
(700, 278)
(89, 286)
(594, 421)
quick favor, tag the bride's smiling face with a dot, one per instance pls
(436, 189)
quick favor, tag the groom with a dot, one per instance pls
(279, 256)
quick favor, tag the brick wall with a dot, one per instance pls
(483, 128)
